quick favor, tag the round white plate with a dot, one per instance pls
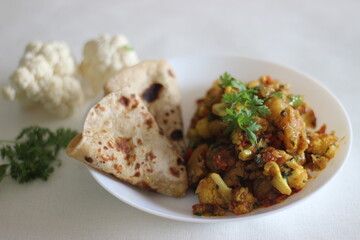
(195, 75)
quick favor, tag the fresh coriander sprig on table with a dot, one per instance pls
(32, 154)
(245, 105)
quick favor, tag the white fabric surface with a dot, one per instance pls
(321, 38)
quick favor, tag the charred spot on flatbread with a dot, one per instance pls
(118, 168)
(176, 135)
(148, 120)
(150, 156)
(88, 159)
(152, 93)
(137, 165)
(174, 172)
(124, 101)
(126, 146)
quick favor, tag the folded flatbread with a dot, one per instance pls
(121, 137)
(155, 82)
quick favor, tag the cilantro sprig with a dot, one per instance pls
(33, 153)
(245, 106)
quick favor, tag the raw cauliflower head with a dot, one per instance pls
(103, 57)
(46, 76)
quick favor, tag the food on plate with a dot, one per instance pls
(103, 57)
(47, 76)
(156, 83)
(33, 153)
(121, 137)
(251, 146)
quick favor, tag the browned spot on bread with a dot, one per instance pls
(88, 159)
(139, 141)
(149, 170)
(149, 156)
(135, 102)
(118, 168)
(124, 101)
(101, 108)
(108, 158)
(170, 72)
(165, 121)
(167, 114)
(137, 174)
(172, 111)
(152, 93)
(174, 172)
(176, 135)
(105, 147)
(148, 122)
(146, 186)
(110, 145)
(161, 132)
(137, 165)
(99, 143)
(99, 150)
(103, 131)
(125, 146)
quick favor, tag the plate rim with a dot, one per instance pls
(196, 219)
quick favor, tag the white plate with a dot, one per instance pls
(195, 75)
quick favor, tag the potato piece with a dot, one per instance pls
(196, 164)
(202, 128)
(233, 176)
(261, 187)
(293, 131)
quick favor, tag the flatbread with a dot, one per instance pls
(155, 82)
(122, 138)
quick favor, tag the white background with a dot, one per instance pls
(320, 38)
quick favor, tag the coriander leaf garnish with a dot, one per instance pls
(33, 153)
(228, 80)
(245, 106)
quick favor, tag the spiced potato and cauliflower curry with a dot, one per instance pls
(250, 146)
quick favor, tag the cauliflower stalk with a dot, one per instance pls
(46, 76)
(103, 57)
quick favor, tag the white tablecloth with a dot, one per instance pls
(321, 38)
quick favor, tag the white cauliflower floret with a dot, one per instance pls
(47, 76)
(103, 57)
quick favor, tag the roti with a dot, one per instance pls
(122, 138)
(155, 82)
